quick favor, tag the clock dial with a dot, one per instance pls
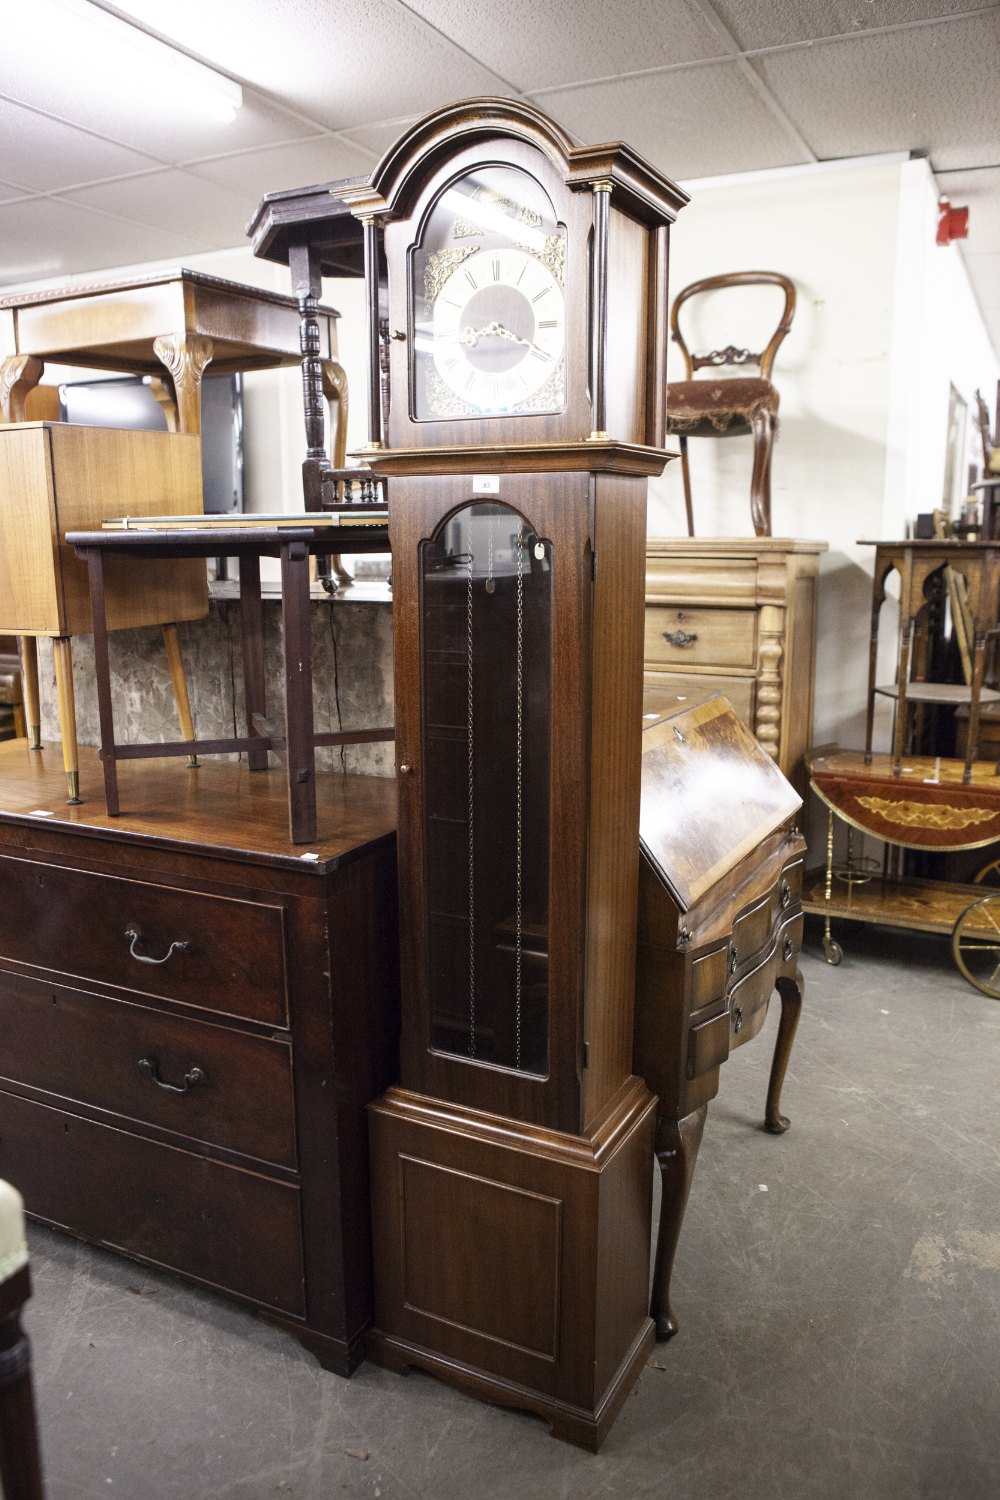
(488, 318)
(499, 329)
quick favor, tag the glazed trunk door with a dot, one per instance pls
(492, 600)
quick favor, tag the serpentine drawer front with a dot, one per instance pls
(157, 940)
(210, 1083)
(752, 929)
(700, 637)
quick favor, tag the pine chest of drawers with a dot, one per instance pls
(736, 616)
(192, 1019)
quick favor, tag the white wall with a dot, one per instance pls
(885, 322)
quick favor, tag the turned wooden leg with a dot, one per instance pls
(19, 374)
(175, 662)
(185, 356)
(28, 647)
(677, 1143)
(760, 481)
(789, 987)
(20, 1464)
(62, 652)
(686, 476)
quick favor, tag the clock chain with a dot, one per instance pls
(519, 808)
(470, 683)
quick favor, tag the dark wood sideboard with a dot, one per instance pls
(193, 1015)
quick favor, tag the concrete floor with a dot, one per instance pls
(838, 1290)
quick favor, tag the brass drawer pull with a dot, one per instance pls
(679, 637)
(733, 961)
(784, 893)
(144, 958)
(787, 949)
(151, 1065)
(737, 1018)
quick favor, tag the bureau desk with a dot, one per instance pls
(720, 929)
(193, 1015)
(736, 616)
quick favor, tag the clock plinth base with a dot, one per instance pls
(511, 1260)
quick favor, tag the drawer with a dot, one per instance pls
(708, 1045)
(709, 974)
(235, 1230)
(753, 928)
(700, 637)
(749, 998)
(664, 692)
(88, 1048)
(77, 922)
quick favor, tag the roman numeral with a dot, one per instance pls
(496, 270)
(550, 323)
(543, 293)
(472, 281)
(541, 354)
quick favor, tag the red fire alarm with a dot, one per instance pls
(953, 223)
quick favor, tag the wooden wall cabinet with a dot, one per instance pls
(736, 616)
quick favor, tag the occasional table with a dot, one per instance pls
(293, 545)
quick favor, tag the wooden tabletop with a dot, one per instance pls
(221, 807)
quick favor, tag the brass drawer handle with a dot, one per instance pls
(787, 949)
(737, 1018)
(733, 961)
(679, 637)
(144, 958)
(151, 1065)
(784, 893)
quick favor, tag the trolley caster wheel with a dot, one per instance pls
(832, 952)
(975, 945)
(988, 875)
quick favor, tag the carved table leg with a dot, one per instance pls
(178, 681)
(185, 356)
(163, 392)
(334, 378)
(29, 685)
(62, 653)
(19, 374)
(677, 1143)
(789, 987)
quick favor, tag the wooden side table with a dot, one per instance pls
(293, 545)
(977, 565)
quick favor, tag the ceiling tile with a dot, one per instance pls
(73, 72)
(697, 122)
(185, 205)
(8, 192)
(45, 155)
(774, 23)
(931, 89)
(49, 237)
(251, 174)
(378, 138)
(534, 46)
(338, 62)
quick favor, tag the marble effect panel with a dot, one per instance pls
(352, 680)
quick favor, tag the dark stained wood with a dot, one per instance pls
(720, 928)
(20, 1460)
(531, 1201)
(253, 1180)
(221, 811)
(229, 1228)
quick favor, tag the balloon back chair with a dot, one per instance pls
(730, 405)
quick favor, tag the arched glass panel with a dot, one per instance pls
(486, 608)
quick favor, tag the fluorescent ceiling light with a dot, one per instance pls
(193, 82)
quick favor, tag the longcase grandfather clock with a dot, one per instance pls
(524, 338)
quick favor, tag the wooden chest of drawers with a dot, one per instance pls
(720, 928)
(192, 1019)
(736, 616)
